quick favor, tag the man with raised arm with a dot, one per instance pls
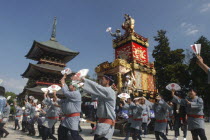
(71, 108)
(106, 105)
(160, 108)
(31, 107)
(145, 116)
(136, 123)
(52, 115)
(204, 67)
(194, 108)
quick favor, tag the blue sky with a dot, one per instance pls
(81, 26)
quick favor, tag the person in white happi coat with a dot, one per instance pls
(71, 108)
(31, 108)
(106, 105)
(26, 113)
(5, 119)
(145, 116)
(18, 114)
(3, 102)
(160, 108)
(128, 84)
(194, 109)
(137, 119)
(128, 105)
(52, 115)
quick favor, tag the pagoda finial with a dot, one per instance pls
(53, 35)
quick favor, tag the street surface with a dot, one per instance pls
(18, 135)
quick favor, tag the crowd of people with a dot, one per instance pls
(185, 113)
(180, 112)
(67, 110)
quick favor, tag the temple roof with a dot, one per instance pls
(34, 70)
(39, 49)
(56, 45)
(51, 48)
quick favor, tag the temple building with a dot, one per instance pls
(51, 58)
(131, 61)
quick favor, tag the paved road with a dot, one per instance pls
(18, 135)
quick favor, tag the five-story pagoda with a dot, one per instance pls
(52, 58)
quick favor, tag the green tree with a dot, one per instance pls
(169, 64)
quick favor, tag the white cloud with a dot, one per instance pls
(205, 8)
(189, 29)
(192, 32)
(15, 85)
(183, 24)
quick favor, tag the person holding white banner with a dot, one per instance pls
(106, 104)
(71, 108)
(52, 115)
(31, 107)
(141, 115)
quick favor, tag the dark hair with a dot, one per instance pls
(110, 78)
(181, 94)
(2, 91)
(195, 90)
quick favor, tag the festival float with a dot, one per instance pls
(131, 62)
(131, 69)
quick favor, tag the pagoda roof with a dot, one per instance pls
(55, 45)
(34, 70)
(38, 49)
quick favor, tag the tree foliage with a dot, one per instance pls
(180, 67)
(168, 64)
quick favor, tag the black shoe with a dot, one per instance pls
(6, 135)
